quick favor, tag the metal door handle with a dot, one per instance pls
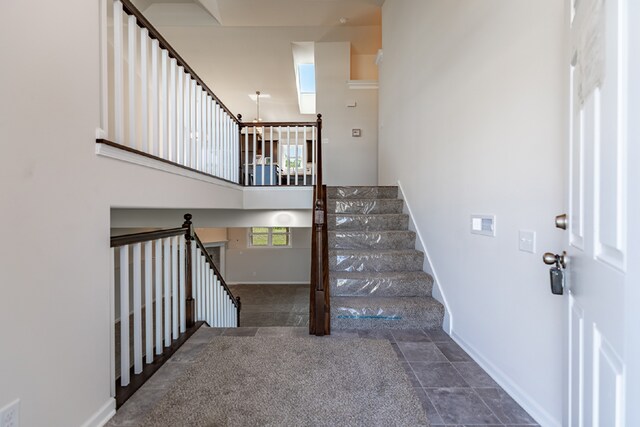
(555, 259)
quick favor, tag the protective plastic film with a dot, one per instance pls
(363, 192)
(369, 222)
(386, 284)
(410, 260)
(365, 206)
(372, 239)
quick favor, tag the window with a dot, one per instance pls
(263, 237)
(307, 78)
(293, 156)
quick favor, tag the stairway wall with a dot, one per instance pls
(472, 121)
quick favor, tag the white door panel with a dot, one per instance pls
(597, 234)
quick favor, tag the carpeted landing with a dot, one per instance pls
(291, 381)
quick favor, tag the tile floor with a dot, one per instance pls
(453, 389)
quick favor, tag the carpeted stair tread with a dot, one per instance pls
(367, 222)
(375, 260)
(383, 284)
(386, 312)
(374, 239)
(365, 206)
(362, 192)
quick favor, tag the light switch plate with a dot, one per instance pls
(527, 241)
(356, 133)
(484, 225)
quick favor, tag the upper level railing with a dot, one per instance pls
(155, 104)
(165, 286)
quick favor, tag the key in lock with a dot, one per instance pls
(557, 280)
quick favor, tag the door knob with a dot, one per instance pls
(555, 259)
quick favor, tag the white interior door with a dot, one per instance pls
(598, 233)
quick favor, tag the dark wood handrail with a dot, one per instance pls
(236, 301)
(129, 239)
(276, 124)
(143, 22)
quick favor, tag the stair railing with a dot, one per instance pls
(154, 104)
(166, 288)
(278, 153)
(320, 307)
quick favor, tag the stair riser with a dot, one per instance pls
(372, 261)
(362, 192)
(357, 318)
(369, 206)
(368, 222)
(371, 240)
(380, 287)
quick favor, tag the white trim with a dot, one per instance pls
(267, 283)
(102, 415)
(137, 159)
(427, 265)
(539, 414)
(362, 84)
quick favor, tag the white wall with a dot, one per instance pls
(472, 121)
(55, 309)
(347, 160)
(247, 265)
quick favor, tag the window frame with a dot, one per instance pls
(269, 235)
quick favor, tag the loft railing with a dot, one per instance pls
(167, 287)
(279, 153)
(154, 102)
(319, 307)
(155, 105)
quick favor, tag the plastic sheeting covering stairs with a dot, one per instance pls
(376, 275)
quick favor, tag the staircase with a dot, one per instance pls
(376, 275)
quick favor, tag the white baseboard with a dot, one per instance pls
(544, 418)
(103, 415)
(428, 266)
(267, 283)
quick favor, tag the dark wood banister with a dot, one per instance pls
(319, 310)
(277, 124)
(130, 239)
(129, 8)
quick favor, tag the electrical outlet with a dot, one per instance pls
(10, 415)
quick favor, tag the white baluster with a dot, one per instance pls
(118, 72)
(137, 308)
(183, 298)
(194, 132)
(154, 131)
(166, 261)
(132, 29)
(148, 300)
(194, 280)
(209, 295)
(207, 156)
(173, 154)
(124, 316)
(158, 304)
(216, 301)
(271, 155)
(201, 288)
(297, 156)
(255, 149)
(288, 155)
(304, 156)
(144, 91)
(313, 155)
(164, 106)
(180, 117)
(246, 156)
(280, 154)
(187, 119)
(175, 315)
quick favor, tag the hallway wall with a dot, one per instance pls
(472, 121)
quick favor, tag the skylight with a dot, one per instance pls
(307, 77)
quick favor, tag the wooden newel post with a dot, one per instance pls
(238, 308)
(240, 175)
(188, 285)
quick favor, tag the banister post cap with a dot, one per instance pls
(188, 217)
